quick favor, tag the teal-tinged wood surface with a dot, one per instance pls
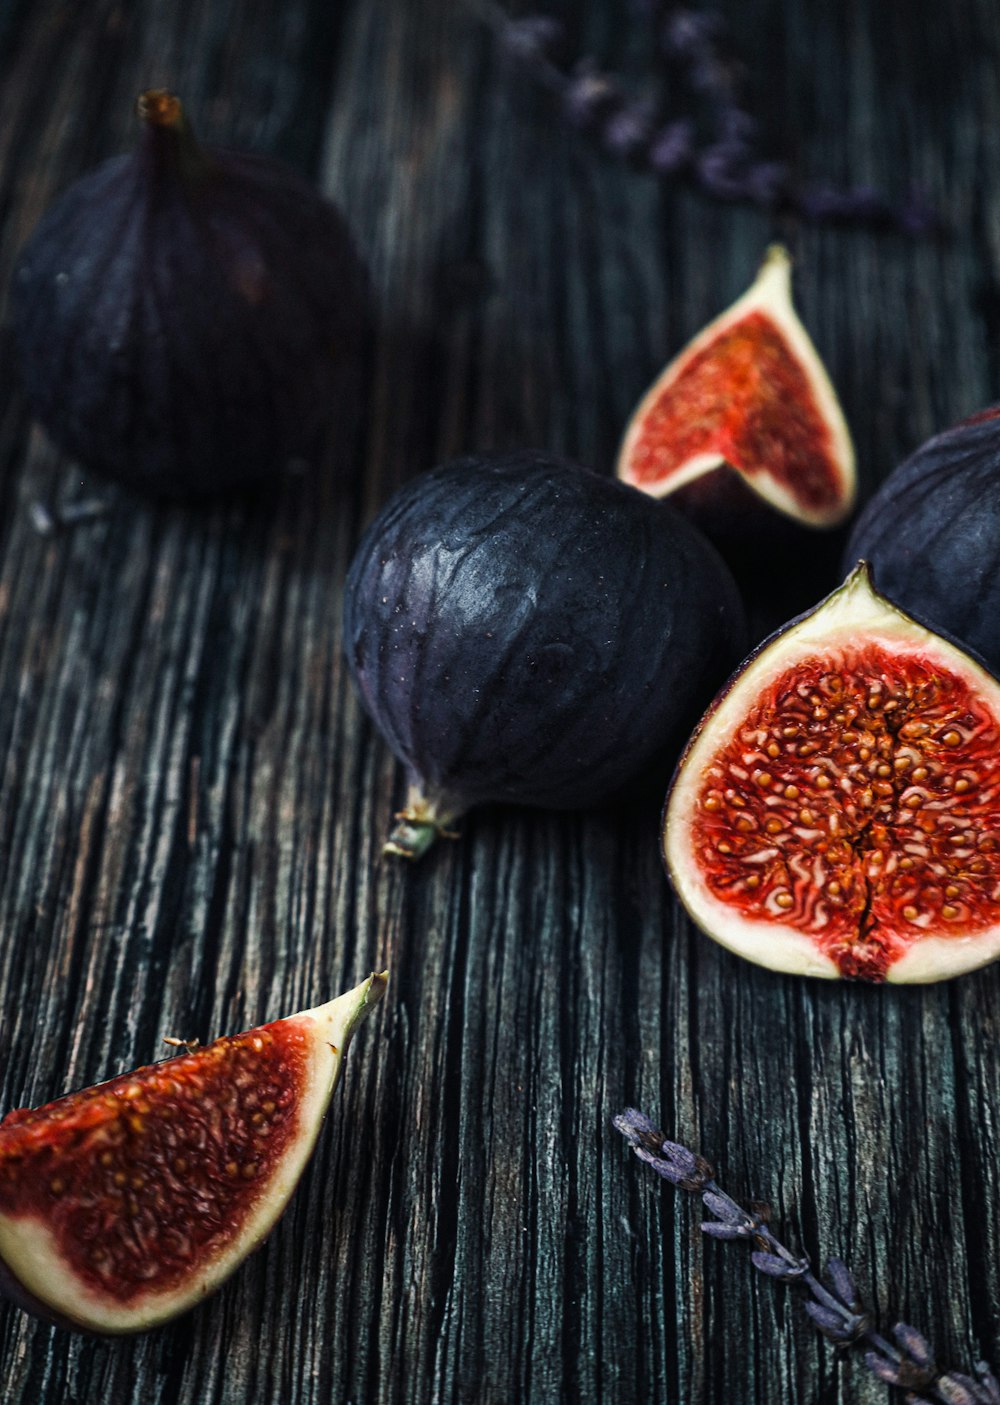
(192, 803)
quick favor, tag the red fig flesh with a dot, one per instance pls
(837, 813)
(123, 1205)
(749, 392)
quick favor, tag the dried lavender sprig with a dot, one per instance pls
(728, 167)
(835, 1307)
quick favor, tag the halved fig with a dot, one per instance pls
(123, 1205)
(747, 402)
(837, 812)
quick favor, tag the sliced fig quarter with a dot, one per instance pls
(125, 1204)
(837, 812)
(748, 394)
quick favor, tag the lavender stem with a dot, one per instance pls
(723, 161)
(834, 1308)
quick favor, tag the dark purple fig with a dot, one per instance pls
(932, 535)
(523, 630)
(189, 319)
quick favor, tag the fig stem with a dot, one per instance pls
(411, 837)
(160, 108)
(424, 819)
(170, 137)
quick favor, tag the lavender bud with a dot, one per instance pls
(776, 1267)
(712, 78)
(736, 125)
(766, 182)
(820, 202)
(887, 1371)
(721, 173)
(989, 1382)
(632, 1124)
(589, 96)
(672, 147)
(952, 1389)
(667, 1169)
(678, 1165)
(532, 38)
(626, 131)
(916, 1347)
(726, 1210)
(689, 34)
(842, 1282)
(715, 1230)
(975, 1388)
(830, 1323)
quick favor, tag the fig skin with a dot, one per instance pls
(188, 320)
(932, 535)
(523, 630)
(38, 1270)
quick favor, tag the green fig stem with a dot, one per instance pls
(425, 819)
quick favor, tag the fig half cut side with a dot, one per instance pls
(837, 812)
(749, 395)
(125, 1204)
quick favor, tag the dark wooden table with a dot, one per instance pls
(191, 803)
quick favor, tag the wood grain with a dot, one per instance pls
(191, 802)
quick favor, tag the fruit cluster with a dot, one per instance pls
(520, 630)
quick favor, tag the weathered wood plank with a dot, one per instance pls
(191, 802)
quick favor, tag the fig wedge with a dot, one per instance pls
(125, 1204)
(747, 402)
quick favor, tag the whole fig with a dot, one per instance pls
(188, 319)
(524, 630)
(932, 534)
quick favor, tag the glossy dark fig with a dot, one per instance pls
(932, 534)
(523, 630)
(745, 416)
(837, 811)
(123, 1205)
(189, 319)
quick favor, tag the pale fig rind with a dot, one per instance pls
(771, 296)
(38, 1277)
(854, 612)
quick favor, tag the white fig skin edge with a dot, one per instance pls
(854, 611)
(770, 293)
(35, 1275)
